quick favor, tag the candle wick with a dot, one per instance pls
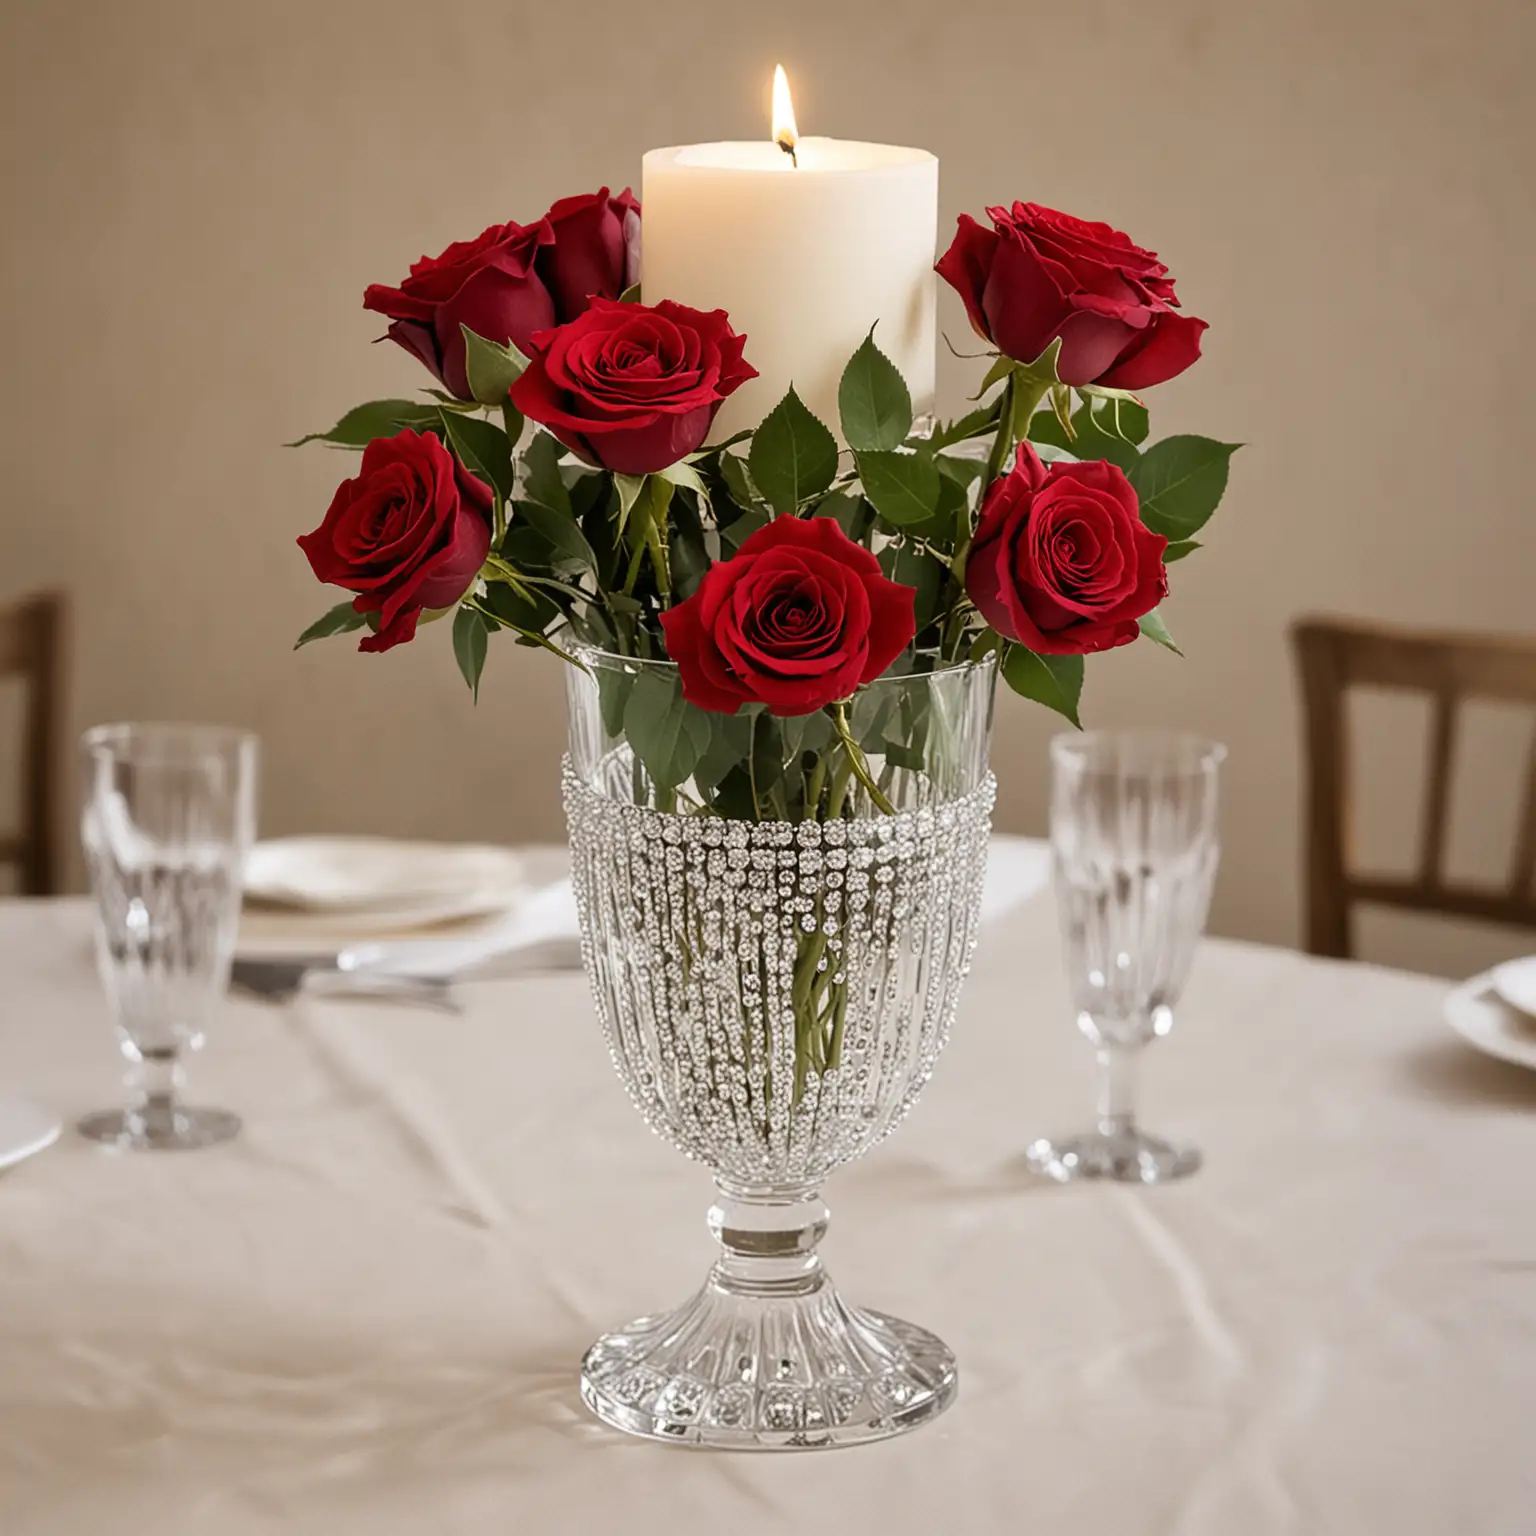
(789, 149)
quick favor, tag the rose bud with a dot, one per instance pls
(491, 284)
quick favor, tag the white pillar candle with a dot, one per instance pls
(805, 255)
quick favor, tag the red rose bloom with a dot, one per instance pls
(1061, 561)
(797, 620)
(633, 387)
(489, 284)
(595, 252)
(513, 281)
(411, 531)
(1038, 274)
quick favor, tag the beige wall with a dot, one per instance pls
(195, 194)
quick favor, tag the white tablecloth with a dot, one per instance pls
(365, 1315)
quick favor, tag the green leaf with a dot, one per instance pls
(614, 685)
(531, 611)
(659, 728)
(684, 475)
(482, 448)
(912, 568)
(1180, 482)
(631, 295)
(630, 489)
(1127, 418)
(512, 421)
(981, 422)
(737, 482)
(730, 744)
(561, 532)
(378, 418)
(341, 620)
(964, 472)
(1154, 629)
(943, 528)
(541, 465)
(904, 487)
(469, 637)
(854, 515)
(492, 368)
(1044, 428)
(873, 401)
(687, 552)
(1094, 442)
(793, 457)
(1055, 681)
(734, 535)
(1178, 550)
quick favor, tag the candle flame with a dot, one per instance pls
(785, 134)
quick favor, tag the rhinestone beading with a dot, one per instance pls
(717, 949)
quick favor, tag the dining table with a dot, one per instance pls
(366, 1313)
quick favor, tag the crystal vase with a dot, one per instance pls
(776, 962)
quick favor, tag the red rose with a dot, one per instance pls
(489, 284)
(1038, 274)
(595, 252)
(1061, 561)
(633, 387)
(410, 532)
(797, 620)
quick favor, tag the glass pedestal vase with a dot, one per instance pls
(775, 989)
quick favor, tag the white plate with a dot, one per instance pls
(276, 934)
(25, 1128)
(1515, 982)
(1486, 1022)
(418, 881)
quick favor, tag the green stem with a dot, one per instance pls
(1004, 439)
(838, 791)
(637, 554)
(657, 546)
(856, 760)
(813, 787)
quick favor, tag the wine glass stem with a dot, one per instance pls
(154, 1085)
(1117, 1090)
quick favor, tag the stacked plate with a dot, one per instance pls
(318, 895)
(1496, 1011)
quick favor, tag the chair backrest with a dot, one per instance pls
(32, 647)
(1336, 655)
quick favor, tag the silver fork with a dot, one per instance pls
(278, 981)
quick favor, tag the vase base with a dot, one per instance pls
(750, 1372)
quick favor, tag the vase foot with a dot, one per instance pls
(768, 1372)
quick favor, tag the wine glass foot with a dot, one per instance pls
(760, 1373)
(180, 1129)
(1127, 1156)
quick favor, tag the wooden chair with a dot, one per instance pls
(1333, 657)
(32, 646)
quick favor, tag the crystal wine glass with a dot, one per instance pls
(1133, 830)
(167, 820)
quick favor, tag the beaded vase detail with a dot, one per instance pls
(775, 994)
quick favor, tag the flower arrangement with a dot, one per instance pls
(561, 486)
